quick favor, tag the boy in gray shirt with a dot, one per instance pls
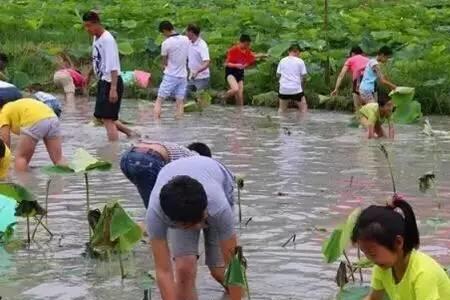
(191, 194)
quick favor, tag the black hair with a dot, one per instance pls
(245, 38)
(91, 16)
(295, 47)
(165, 25)
(383, 224)
(356, 50)
(383, 97)
(2, 149)
(195, 29)
(3, 58)
(385, 50)
(183, 199)
(200, 148)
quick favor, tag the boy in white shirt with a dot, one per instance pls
(106, 65)
(174, 52)
(292, 72)
(198, 60)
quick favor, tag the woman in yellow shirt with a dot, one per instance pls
(33, 121)
(388, 236)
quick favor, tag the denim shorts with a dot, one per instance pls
(47, 128)
(9, 94)
(142, 169)
(172, 86)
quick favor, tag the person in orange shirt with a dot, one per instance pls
(239, 57)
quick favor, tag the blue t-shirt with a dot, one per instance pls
(369, 77)
(50, 101)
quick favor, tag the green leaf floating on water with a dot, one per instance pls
(192, 106)
(339, 239)
(407, 110)
(115, 230)
(82, 162)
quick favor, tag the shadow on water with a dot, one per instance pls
(301, 173)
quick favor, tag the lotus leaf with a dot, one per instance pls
(339, 239)
(236, 275)
(192, 106)
(125, 48)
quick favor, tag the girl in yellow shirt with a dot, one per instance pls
(33, 121)
(388, 236)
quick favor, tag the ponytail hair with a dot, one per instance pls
(383, 224)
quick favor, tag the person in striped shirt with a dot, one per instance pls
(141, 163)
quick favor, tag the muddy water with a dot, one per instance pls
(301, 174)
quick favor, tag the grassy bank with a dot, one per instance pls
(33, 31)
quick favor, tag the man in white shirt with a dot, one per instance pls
(174, 52)
(198, 60)
(106, 66)
(292, 72)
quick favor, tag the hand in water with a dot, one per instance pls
(334, 93)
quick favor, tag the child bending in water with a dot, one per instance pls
(389, 237)
(373, 115)
(33, 121)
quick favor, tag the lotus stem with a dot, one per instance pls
(360, 270)
(386, 155)
(292, 238)
(349, 265)
(122, 272)
(39, 221)
(28, 230)
(239, 204)
(88, 205)
(47, 191)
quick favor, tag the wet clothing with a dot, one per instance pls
(424, 279)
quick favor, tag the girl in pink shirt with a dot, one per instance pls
(355, 65)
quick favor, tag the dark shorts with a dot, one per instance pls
(142, 169)
(238, 74)
(295, 97)
(9, 94)
(103, 108)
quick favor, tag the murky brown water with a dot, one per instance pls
(322, 167)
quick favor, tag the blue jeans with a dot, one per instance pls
(142, 169)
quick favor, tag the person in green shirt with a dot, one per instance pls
(373, 115)
(389, 237)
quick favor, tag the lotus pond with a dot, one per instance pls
(303, 176)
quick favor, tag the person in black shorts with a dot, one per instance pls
(106, 65)
(292, 72)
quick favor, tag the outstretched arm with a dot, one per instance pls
(383, 79)
(339, 80)
(163, 267)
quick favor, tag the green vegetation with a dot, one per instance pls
(33, 31)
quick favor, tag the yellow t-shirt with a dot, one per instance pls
(24, 113)
(4, 163)
(424, 279)
(371, 111)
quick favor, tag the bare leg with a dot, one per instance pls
(283, 106)
(234, 87)
(357, 102)
(124, 129)
(185, 276)
(157, 108)
(24, 152)
(218, 273)
(379, 131)
(70, 98)
(240, 94)
(303, 105)
(179, 107)
(111, 129)
(54, 149)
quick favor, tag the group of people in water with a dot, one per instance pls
(185, 191)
